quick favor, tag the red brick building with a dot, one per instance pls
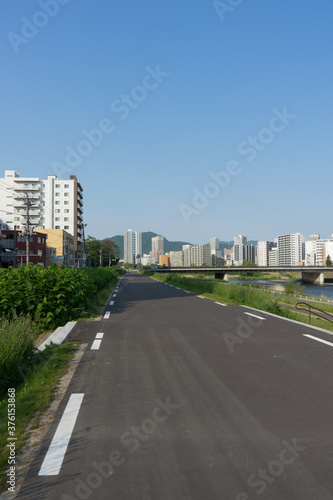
(13, 248)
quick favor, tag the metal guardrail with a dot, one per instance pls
(304, 306)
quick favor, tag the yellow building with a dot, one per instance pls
(164, 260)
(177, 259)
(63, 242)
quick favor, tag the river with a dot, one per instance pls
(316, 290)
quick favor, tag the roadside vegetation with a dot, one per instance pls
(246, 294)
(34, 300)
(35, 378)
(52, 296)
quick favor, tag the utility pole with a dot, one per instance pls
(27, 233)
(100, 257)
(84, 244)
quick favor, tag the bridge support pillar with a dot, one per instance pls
(315, 278)
(221, 276)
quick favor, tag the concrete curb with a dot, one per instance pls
(58, 336)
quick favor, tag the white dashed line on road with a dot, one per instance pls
(95, 345)
(53, 459)
(318, 340)
(254, 315)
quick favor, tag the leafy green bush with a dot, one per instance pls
(51, 296)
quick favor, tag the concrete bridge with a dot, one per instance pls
(310, 274)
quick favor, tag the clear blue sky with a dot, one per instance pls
(219, 78)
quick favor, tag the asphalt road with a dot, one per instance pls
(183, 398)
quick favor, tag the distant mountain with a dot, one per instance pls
(169, 246)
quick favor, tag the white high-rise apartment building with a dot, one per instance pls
(197, 255)
(240, 242)
(132, 246)
(157, 247)
(291, 249)
(187, 254)
(264, 247)
(317, 250)
(214, 245)
(55, 204)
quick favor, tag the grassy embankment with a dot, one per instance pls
(247, 295)
(33, 300)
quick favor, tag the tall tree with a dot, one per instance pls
(110, 252)
(94, 247)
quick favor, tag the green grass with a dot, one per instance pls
(33, 396)
(17, 338)
(246, 294)
(98, 304)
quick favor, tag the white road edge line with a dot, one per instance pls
(299, 323)
(54, 457)
(96, 345)
(254, 315)
(99, 335)
(319, 340)
(112, 302)
(220, 304)
(201, 297)
(107, 315)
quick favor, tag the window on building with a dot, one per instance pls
(66, 186)
(40, 253)
(66, 211)
(57, 202)
(57, 227)
(57, 185)
(57, 218)
(57, 210)
(66, 227)
(66, 218)
(66, 202)
(57, 194)
(66, 194)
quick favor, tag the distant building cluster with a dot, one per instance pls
(285, 250)
(41, 221)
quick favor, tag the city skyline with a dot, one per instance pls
(226, 124)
